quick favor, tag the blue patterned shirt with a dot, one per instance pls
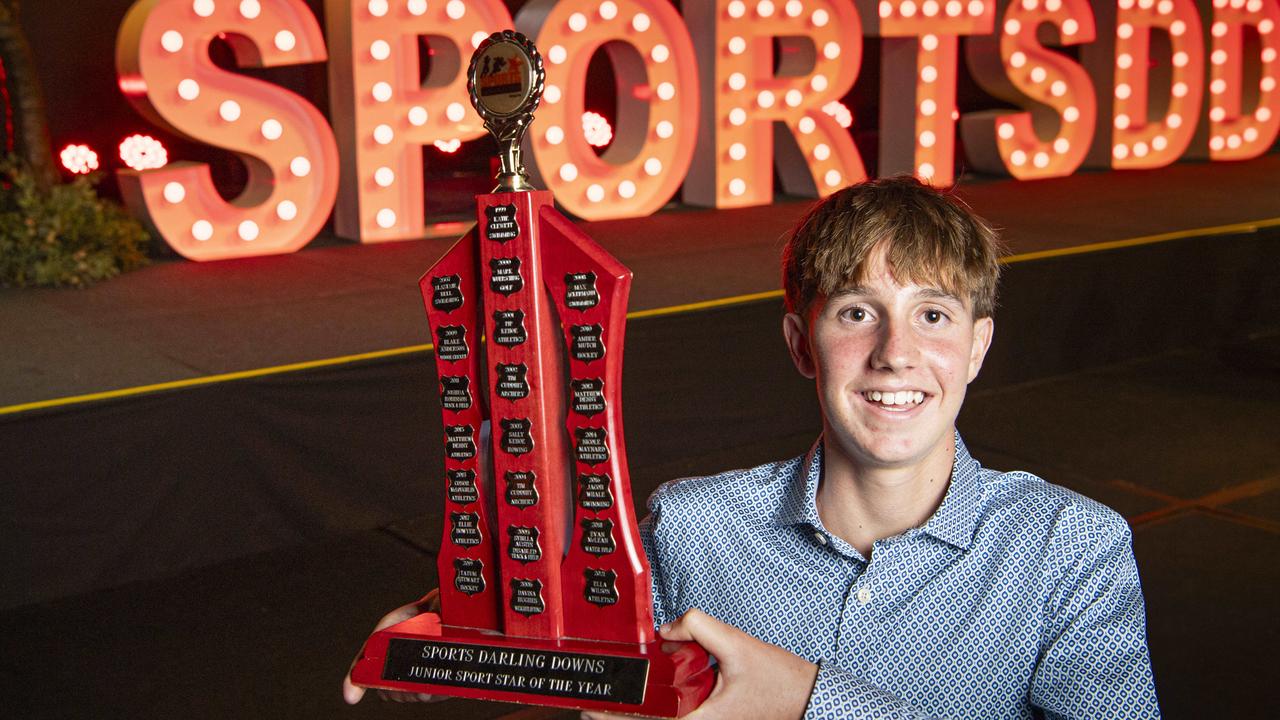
(1016, 599)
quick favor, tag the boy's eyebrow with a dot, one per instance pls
(938, 294)
(928, 292)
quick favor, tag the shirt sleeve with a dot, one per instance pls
(1095, 661)
(838, 693)
(661, 615)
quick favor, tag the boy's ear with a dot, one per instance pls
(983, 331)
(797, 336)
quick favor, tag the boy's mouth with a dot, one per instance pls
(894, 398)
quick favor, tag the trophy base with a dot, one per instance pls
(421, 655)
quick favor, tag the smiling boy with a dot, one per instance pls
(886, 574)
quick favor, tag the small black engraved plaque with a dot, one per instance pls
(465, 528)
(501, 223)
(594, 493)
(580, 290)
(588, 396)
(515, 435)
(526, 596)
(459, 442)
(523, 544)
(455, 392)
(446, 293)
(451, 342)
(521, 491)
(602, 587)
(591, 448)
(462, 486)
(586, 345)
(511, 381)
(538, 672)
(597, 536)
(508, 327)
(505, 278)
(468, 575)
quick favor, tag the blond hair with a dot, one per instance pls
(930, 237)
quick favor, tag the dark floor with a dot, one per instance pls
(1184, 445)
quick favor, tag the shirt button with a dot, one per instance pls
(822, 539)
(864, 595)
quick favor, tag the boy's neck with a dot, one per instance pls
(862, 504)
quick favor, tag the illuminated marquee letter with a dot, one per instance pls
(657, 100)
(162, 57)
(918, 79)
(1137, 141)
(748, 104)
(384, 112)
(1236, 133)
(1016, 68)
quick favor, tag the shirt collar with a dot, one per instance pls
(954, 522)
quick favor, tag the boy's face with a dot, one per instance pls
(892, 363)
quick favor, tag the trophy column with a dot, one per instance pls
(526, 401)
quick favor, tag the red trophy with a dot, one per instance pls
(545, 595)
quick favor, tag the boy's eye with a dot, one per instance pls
(856, 314)
(933, 317)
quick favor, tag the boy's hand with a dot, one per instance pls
(352, 693)
(755, 680)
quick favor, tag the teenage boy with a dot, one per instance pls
(886, 574)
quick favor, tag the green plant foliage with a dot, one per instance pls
(64, 236)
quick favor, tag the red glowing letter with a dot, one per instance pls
(1236, 133)
(162, 57)
(748, 104)
(918, 79)
(654, 68)
(384, 113)
(1137, 141)
(1018, 69)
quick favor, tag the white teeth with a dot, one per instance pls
(901, 397)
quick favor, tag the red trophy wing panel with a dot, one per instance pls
(469, 594)
(607, 591)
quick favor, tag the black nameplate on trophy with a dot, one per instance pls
(591, 448)
(462, 486)
(511, 381)
(523, 544)
(505, 278)
(508, 327)
(468, 575)
(594, 493)
(464, 528)
(586, 344)
(602, 587)
(597, 536)
(500, 223)
(459, 442)
(446, 292)
(526, 596)
(451, 342)
(515, 436)
(455, 392)
(521, 491)
(588, 396)
(580, 290)
(557, 673)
